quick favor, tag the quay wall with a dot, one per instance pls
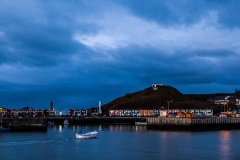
(96, 120)
(24, 121)
(75, 120)
(26, 124)
(163, 123)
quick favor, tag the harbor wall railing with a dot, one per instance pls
(190, 121)
(216, 123)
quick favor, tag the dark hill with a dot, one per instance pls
(204, 97)
(156, 99)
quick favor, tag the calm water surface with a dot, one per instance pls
(119, 142)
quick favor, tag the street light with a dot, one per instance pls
(168, 104)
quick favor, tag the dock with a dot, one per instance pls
(75, 120)
(26, 124)
(107, 120)
(194, 124)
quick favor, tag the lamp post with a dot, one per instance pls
(168, 104)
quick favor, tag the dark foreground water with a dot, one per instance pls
(119, 142)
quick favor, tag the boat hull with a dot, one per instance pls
(89, 135)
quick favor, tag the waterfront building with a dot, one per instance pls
(126, 112)
(156, 112)
(237, 103)
(1, 110)
(133, 113)
(77, 112)
(163, 113)
(39, 113)
(118, 113)
(191, 111)
(150, 113)
(94, 111)
(71, 112)
(6, 113)
(83, 112)
(111, 112)
(61, 113)
(52, 112)
(221, 100)
(137, 112)
(14, 113)
(26, 112)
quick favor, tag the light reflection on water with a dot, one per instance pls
(225, 143)
(127, 128)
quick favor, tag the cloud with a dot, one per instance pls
(77, 53)
(121, 29)
(35, 33)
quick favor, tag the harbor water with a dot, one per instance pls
(117, 142)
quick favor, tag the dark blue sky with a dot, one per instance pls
(76, 53)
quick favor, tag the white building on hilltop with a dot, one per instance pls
(156, 86)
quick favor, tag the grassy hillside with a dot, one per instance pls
(156, 99)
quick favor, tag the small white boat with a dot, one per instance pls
(140, 123)
(89, 135)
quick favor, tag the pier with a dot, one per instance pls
(96, 120)
(75, 120)
(215, 123)
(26, 124)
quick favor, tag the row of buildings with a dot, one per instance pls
(28, 112)
(51, 112)
(187, 113)
(31, 112)
(227, 101)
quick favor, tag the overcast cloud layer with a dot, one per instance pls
(79, 52)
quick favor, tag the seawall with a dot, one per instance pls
(193, 124)
(96, 120)
(26, 124)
